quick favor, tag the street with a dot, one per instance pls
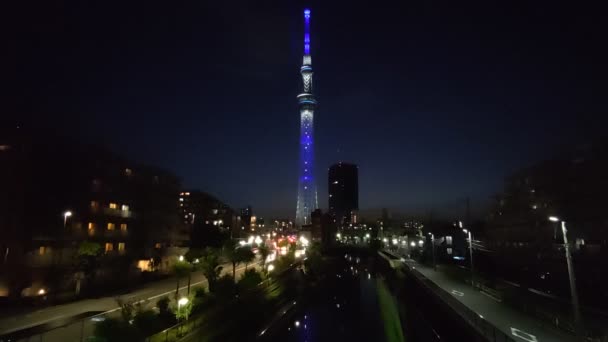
(108, 307)
(520, 326)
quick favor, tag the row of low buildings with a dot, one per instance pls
(58, 193)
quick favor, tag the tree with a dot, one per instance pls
(193, 257)
(231, 252)
(87, 261)
(127, 309)
(264, 252)
(181, 269)
(246, 255)
(210, 266)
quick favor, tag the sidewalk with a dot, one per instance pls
(106, 305)
(512, 322)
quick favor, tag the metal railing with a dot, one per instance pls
(476, 321)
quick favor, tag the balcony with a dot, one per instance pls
(118, 213)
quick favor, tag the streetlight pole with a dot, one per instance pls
(65, 218)
(468, 232)
(433, 250)
(571, 277)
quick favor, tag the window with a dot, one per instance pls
(113, 205)
(91, 226)
(157, 245)
(94, 204)
(109, 247)
(448, 240)
(123, 227)
(111, 226)
(42, 250)
(128, 172)
(125, 207)
(121, 246)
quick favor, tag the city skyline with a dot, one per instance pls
(426, 125)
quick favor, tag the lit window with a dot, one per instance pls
(91, 226)
(123, 227)
(41, 250)
(111, 226)
(157, 245)
(125, 207)
(94, 204)
(181, 199)
(128, 172)
(448, 240)
(113, 206)
(109, 247)
(121, 246)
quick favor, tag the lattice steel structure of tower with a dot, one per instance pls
(307, 189)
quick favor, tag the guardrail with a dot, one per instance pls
(476, 321)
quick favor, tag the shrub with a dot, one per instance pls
(147, 322)
(224, 287)
(163, 305)
(249, 280)
(115, 330)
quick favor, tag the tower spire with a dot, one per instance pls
(307, 190)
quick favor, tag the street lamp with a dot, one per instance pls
(571, 276)
(65, 218)
(433, 251)
(470, 252)
(182, 301)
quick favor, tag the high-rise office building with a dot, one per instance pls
(307, 190)
(343, 188)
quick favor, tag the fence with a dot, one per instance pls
(187, 330)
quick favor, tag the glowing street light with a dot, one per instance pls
(65, 218)
(433, 250)
(413, 244)
(182, 301)
(470, 251)
(571, 276)
(181, 258)
(270, 268)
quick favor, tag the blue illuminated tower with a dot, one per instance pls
(307, 189)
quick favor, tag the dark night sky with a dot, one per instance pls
(434, 101)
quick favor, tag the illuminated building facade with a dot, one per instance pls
(307, 190)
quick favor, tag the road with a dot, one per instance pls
(521, 326)
(106, 305)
